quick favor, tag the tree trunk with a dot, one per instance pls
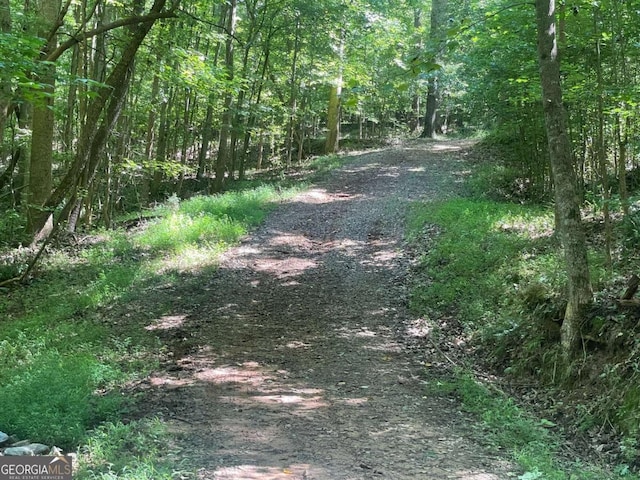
(430, 119)
(253, 117)
(293, 98)
(601, 154)
(623, 141)
(41, 160)
(72, 99)
(207, 134)
(6, 176)
(240, 117)
(207, 127)
(260, 151)
(161, 151)
(414, 122)
(333, 112)
(23, 119)
(227, 114)
(105, 105)
(149, 143)
(333, 119)
(190, 106)
(567, 199)
(5, 85)
(438, 27)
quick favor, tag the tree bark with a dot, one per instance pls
(623, 140)
(150, 139)
(438, 23)
(567, 198)
(293, 98)
(601, 154)
(41, 160)
(251, 123)
(207, 126)
(414, 122)
(333, 119)
(207, 134)
(21, 180)
(102, 113)
(6, 95)
(163, 142)
(333, 111)
(227, 114)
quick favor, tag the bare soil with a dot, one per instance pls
(298, 357)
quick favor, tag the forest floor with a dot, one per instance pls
(298, 358)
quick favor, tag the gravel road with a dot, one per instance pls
(295, 359)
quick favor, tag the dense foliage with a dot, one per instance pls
(214, 89)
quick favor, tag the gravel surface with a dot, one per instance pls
(295, 359)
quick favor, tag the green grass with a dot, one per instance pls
(481, 249)
(139, 450)
(60, 366)
(497, 268)
(325, 164)
(533, 442)
(212, 222)
(53, 399)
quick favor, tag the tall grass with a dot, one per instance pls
(212, 222)
(483, 250)
(504, 427)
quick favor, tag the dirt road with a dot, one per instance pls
(295, 360)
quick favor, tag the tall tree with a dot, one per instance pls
(227, 113)
(436, 37)
(5, 85)
(569, 222)
(335, 95)
(104, 110)
(40, 166)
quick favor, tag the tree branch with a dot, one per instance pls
(222, 28)
(75, 39)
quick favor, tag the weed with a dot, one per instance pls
(53, 399)
(325, 164)
(12, 228)
(139, 450)
(210, 222)
(499, 268)
(507, 427)
(471, 267)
